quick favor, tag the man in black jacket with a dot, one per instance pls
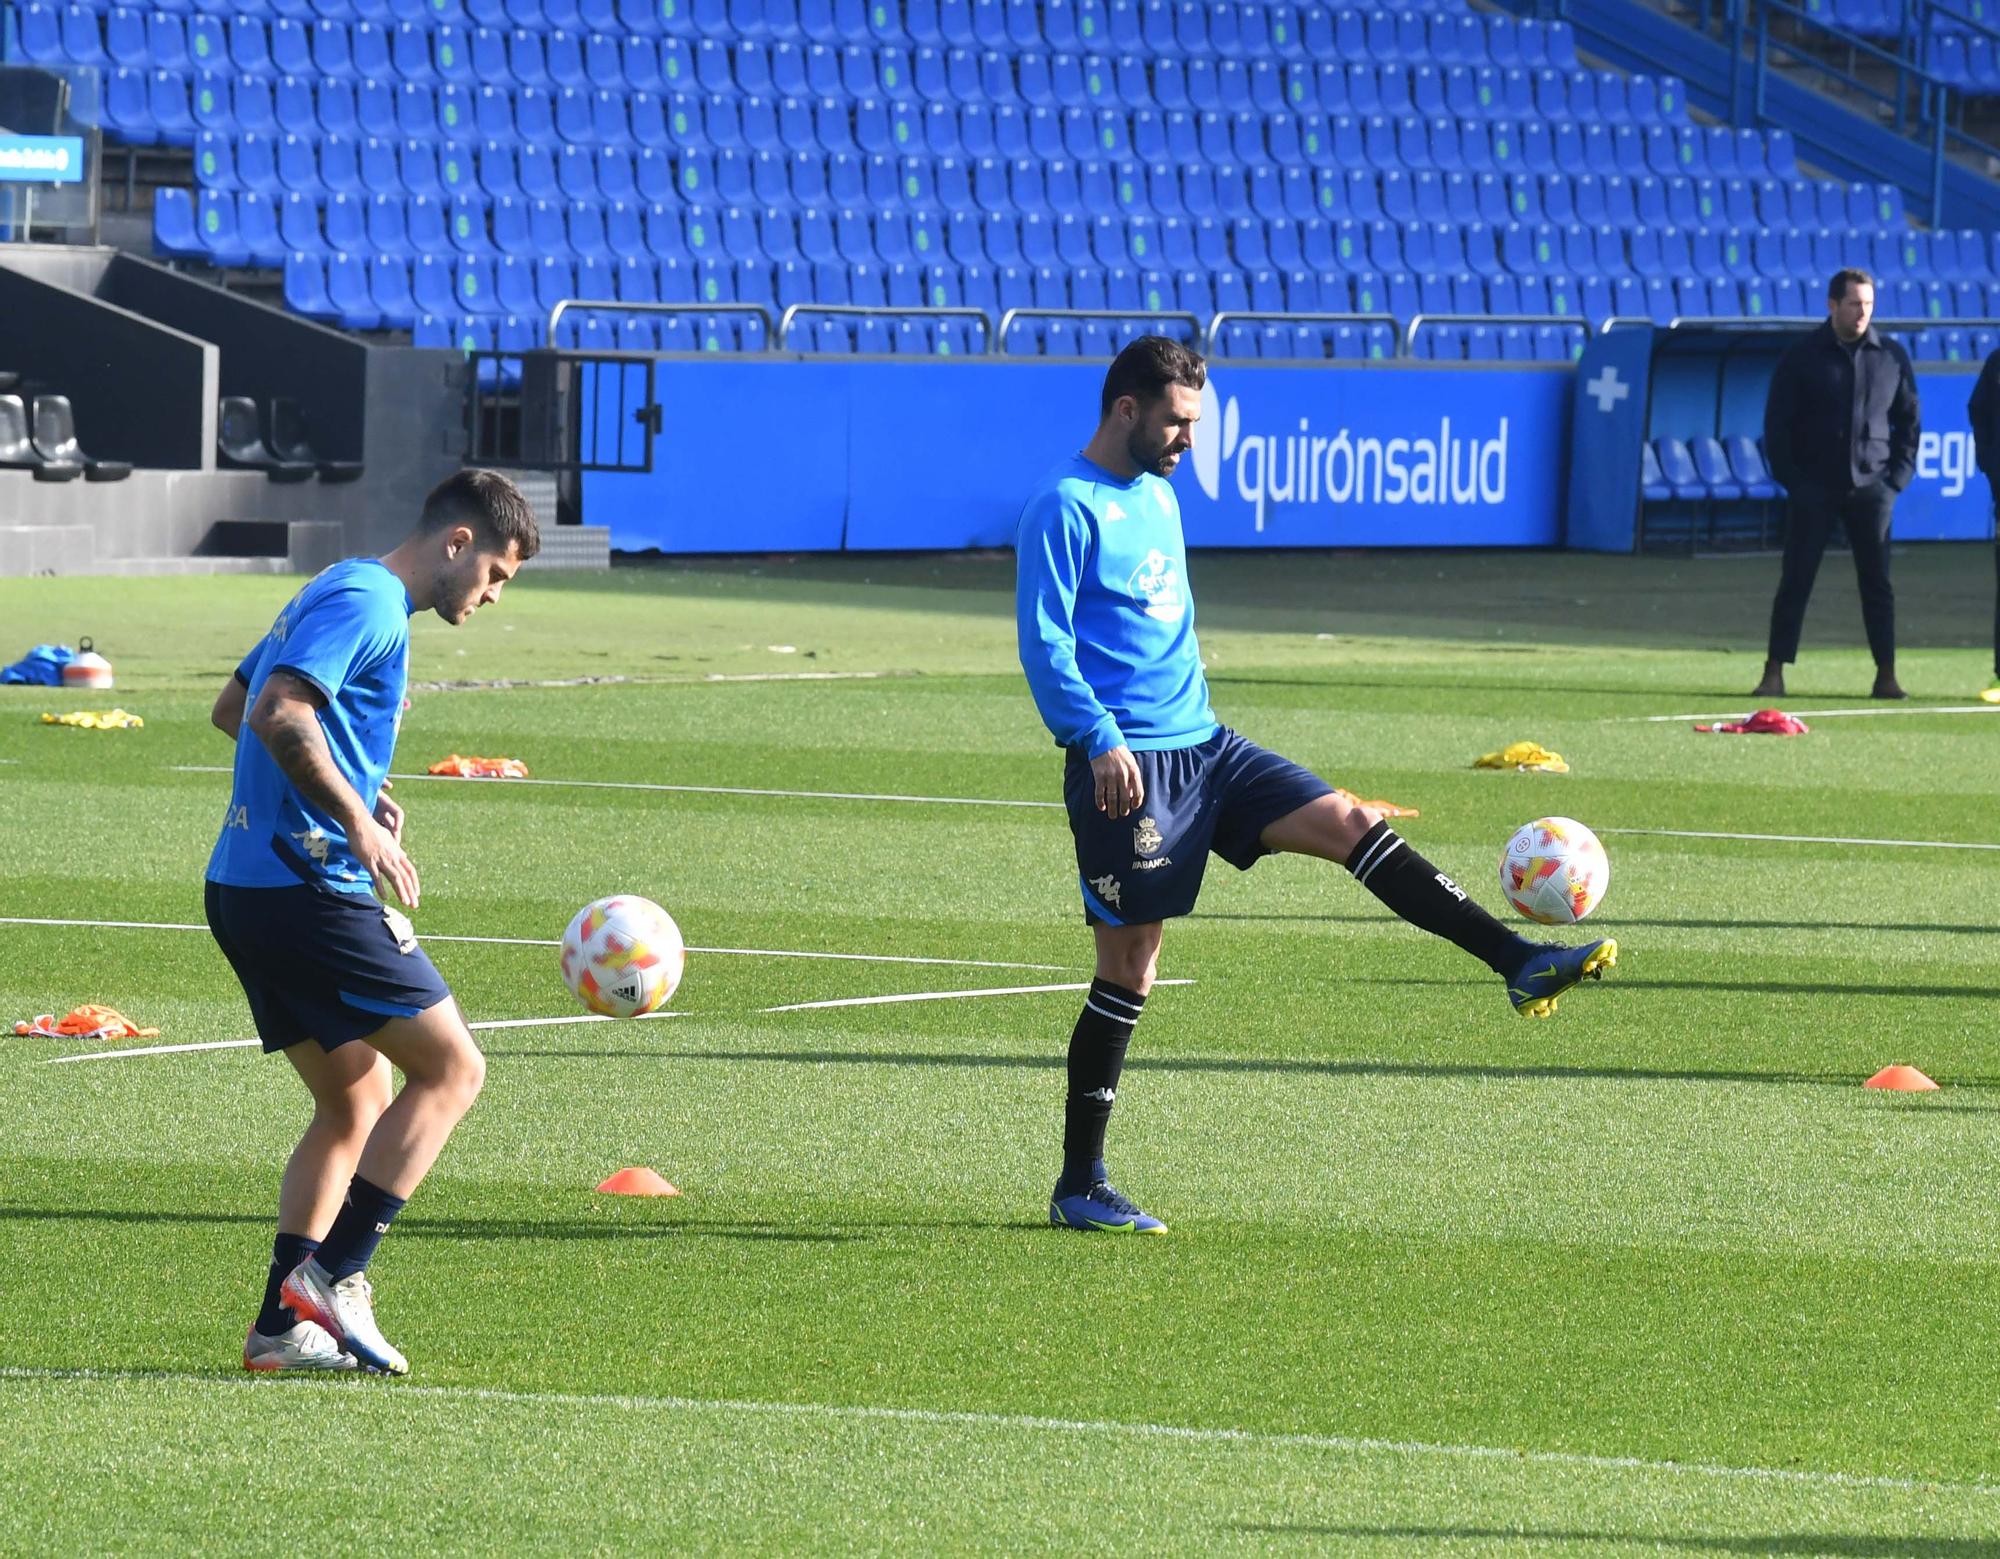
(1984, 410)
(1840, 433)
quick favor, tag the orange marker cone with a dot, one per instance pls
(1904, 1079)
(638, 1182)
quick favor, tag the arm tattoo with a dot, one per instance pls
(290, 732)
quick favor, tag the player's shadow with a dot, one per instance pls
(1756, 987)
(458, 1228)
(1842, 1545)
(1255, 1065)
(1333, 680)
(1624, 924)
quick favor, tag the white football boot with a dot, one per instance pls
(304, 1348)
(347, 1310)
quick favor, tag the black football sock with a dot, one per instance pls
(287, 1251)
(1096, 1057)
(1387, 867)
(358, 1228)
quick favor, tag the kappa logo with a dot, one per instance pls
(1451, 887)
(1157, 582)
(1147, 838)
(1113, 512)
(315, 843)
(1102, 1095)
(1106, 888)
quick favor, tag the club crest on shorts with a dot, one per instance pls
(1147, 838)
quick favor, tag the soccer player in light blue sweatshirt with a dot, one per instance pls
(1153, 783)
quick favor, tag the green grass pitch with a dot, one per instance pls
(1656, 1276)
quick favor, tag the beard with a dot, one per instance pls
(1146, 455)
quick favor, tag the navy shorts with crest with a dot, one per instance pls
(1219, 796)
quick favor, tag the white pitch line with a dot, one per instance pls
(1356, 1445)
(1890, 844)
(152, 1050)
(884, 1001)
(1810, 714)
(791, 676)
(242, 1044)
(699, 790)
(509, 684)
(520, 941)
(594, 1017)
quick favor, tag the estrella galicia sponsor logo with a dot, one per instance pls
(1443, 467)
(1157, 583)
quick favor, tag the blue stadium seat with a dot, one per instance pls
(1677, 470)
(1712, 468)
(1653, 485)
(1746, 466)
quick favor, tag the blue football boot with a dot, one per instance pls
(1553, 970)
(1103, 1208)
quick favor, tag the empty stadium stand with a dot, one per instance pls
(458, 173)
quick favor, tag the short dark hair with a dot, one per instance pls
(488, 502)
(1145, 369)
(1842, 280)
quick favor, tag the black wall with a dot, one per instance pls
(265, 352)
(143, 392)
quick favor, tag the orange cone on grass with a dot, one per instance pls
(1903, 1079)
(639, 1181)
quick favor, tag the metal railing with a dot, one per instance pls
(1008, 317)
(614, 306)
(1307, 317)
(1418, 321)
(793, 311)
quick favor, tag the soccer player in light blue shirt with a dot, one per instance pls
(333, 974)
(1152, 783)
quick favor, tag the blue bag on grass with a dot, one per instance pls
(42, 665)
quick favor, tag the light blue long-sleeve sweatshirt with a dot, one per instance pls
(1106, 622)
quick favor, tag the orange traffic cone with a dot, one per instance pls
(1904, 1079)
(638, 1182)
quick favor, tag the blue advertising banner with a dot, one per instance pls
(1948, 500)
(1378, 457)
(41, 159)
(795, 456)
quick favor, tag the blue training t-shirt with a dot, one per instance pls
(348, 634)
(1105, 619)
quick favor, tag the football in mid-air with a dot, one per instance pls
(1554, 870)
(623, 956)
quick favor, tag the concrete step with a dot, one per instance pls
(194, 565)
(47, 549)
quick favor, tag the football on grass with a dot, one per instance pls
(1554, 870)
(623, 956)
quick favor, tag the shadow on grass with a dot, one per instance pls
(1838, 1544)
(1620, 926)
(1758, 988)
(1334, 680)
(451, 1228)
(1236, 1064)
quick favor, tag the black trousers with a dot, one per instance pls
(1810, 516)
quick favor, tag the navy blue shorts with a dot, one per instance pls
(321, 965)
(1220, 796)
